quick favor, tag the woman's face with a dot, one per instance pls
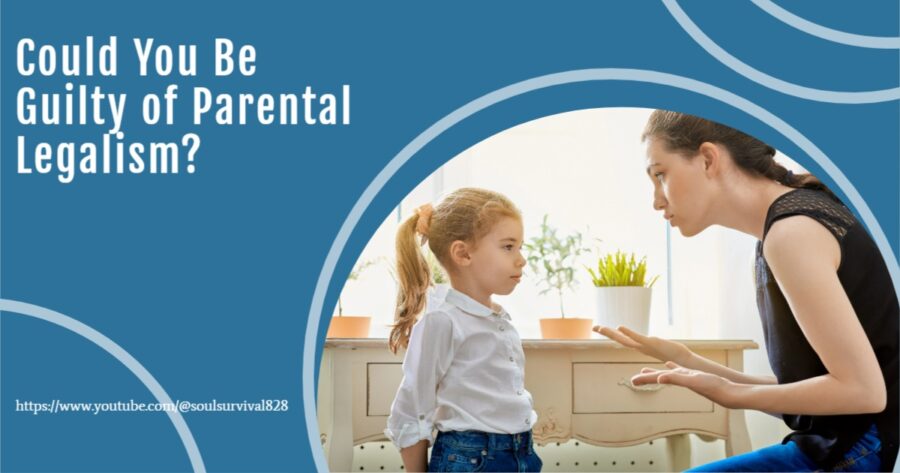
(681, 187)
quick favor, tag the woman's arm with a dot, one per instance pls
(804, 258)
(668, 350)
(698, 362)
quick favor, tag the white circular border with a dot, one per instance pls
(761, 78)
(119, 353)
(519, 88)
(830, 34)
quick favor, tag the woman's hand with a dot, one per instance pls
(715, 388)
(659, 348)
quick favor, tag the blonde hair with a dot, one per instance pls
(467, 215)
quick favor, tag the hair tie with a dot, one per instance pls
(789, 177)
(424, 222)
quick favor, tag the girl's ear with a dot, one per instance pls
(711, 154)
(459, 253)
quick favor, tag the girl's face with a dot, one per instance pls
(497, 261)
(681, 187)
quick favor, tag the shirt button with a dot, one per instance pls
(483, 452)
(511, 359)
(527, 421)
(421, 417)
(502, 328)
(473, 461)
(519, 392)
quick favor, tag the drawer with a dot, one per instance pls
(600, 388)
(382, 381)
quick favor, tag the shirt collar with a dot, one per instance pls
(473, 307)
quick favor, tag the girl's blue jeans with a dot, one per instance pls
(863, 456)
(480, 451)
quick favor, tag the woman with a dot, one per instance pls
(827, 304)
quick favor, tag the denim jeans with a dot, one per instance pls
(480, 451)
(863, 456)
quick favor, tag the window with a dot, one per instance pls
(586, 170)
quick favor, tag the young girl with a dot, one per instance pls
(827, 304)
(463, 373)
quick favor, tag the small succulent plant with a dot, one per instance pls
(620, 269)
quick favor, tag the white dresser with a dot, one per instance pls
(581, 390)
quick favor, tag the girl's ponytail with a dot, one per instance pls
(465, 214)
(413, 276)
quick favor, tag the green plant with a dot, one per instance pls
(552, 259)
(620, 269)
(354, 275)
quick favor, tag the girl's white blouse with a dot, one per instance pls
(464, 370)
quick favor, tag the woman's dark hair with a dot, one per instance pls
(683, 133)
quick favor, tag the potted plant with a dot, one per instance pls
(623, 295)
(346, 326)
(552, 259)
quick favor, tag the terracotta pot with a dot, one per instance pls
(567, 328)
(349, 327)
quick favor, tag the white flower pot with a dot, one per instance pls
(624, 305)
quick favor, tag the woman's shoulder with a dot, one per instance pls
(817, 205)
(794, 241)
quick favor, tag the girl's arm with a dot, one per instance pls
(411, 422)
(668, 350)
(804, 257)
(415, 458)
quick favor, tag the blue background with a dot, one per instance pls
(207, 278)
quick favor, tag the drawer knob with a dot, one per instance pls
(641, 389)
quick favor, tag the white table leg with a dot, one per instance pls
(678, 448)
(340, 453)
(738, 440)
(324, 402)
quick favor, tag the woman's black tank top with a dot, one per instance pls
(864, 276)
